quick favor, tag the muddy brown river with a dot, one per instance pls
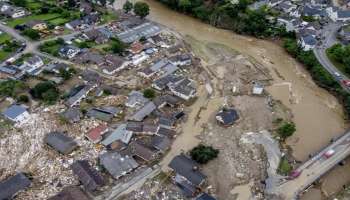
(317, 114)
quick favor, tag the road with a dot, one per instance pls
(329, 38)
(314, 168)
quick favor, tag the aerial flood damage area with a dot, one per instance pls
(102, 103)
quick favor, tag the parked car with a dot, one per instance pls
(329, 153)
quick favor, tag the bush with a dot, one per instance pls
(23, 98)
(203, 154)
(286, 130)
(149, 93)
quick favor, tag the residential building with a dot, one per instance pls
(181, 60)
(87, 175)
(34, 62)
(183, 89)
(16, 113)
(60, 142)
(74, 25)
(136, 99)
(14, 184)
(141, 151)
(142, 113)
(72, 115)
(161, 143)
(307, 42)
(69, 51)
(117, 165)
(227, 116)
(38, 25)
(79, 95)
(95, 134)
(119, 134)
(205, 196)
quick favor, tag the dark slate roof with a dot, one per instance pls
(205, 196)
(10, 187)
(14, 111)
(187, 168)
(72, 114)
(162, 143)
(142, 151)
(227, 116)
(88, 176)
(60, 142)
(71, 193)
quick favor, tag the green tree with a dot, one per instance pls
(45, 91)
(127, 7)
(149, 93)
(117, 46)
(141, 9)
(11, 88)
(286, 129)
(203, 154)
(20, 3)
(65, 74)
(32, 34)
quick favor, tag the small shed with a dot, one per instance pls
(10, 187)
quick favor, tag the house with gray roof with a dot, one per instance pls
(121, 134)
(117, 165)
(136, 99)
(227, 116)
(183, 89)
(103, 113)
(161, 143)
(11, 186)
(16, 113)
(307, 42)
(141, 151)
(187, 174)
(87, 175)
(142, 113)
(78, 96)
(60, 142)
(72, 115)
(68, 51)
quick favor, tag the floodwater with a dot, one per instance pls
(317, 114)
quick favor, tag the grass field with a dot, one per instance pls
(3, 55)
(45, 17)
(4, 37)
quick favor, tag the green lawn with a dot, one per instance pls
(59, 21)
(3, 55)
(49, 16)
(110, 16)
(4, 37)
(340, 66)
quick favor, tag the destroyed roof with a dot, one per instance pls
(159, 64)
(80, 94)
(144, 112)
(160, 101)
(205, 196)
(10, 187)
(227, 116)
(116, 164)
(162, 82)
(95, 134)
(166, 132)
(186, 187)
(71, 193)
(60, 142)
(99, 114)
(72, 115)
(91, 76)
(136, 98)
(142, 151)
(134, 126)
(119, 134)
(161, 143)
(187, 168)
(88, 176)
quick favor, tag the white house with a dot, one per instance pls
(307, 42)
(69, 51)
(34, 62)
(16, 113)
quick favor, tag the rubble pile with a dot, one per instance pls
(22, 149)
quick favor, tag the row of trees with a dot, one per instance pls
(224, 14)
(140, 8)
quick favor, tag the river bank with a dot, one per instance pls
(317, 114)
